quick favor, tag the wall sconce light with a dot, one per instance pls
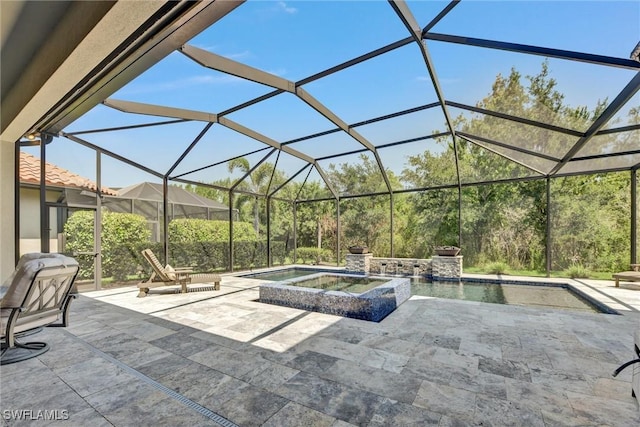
(31, 139)
(31, 136)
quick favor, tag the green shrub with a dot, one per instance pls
(197, 243)
(313, 255)
(203, 230)
(577, 271)
(278, 252)
(122, 234)
(214, 256)
(79, 238)
(204, 244)
(244, 254)
(497, 267)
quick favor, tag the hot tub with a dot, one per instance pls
(349, 295)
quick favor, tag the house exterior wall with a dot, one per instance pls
(30, 220)
(7, 206)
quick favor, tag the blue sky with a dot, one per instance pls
(297, 39)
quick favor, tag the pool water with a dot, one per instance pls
(544, 296)
(529, 295)
(334, 282)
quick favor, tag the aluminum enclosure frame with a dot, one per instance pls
(418, 36)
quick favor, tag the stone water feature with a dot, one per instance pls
(436, 268)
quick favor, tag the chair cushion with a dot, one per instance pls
(15, 288)
(170, 272)
(21, 262)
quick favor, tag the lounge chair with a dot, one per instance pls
(37, 294)
(167, 276)
(628, 276)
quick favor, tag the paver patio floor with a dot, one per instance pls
(206, 358)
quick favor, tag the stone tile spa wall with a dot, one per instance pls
(373, 305)
(438, 267)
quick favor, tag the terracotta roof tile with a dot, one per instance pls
(55, 175)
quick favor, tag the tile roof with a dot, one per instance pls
(55, 175)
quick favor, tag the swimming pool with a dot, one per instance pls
(511, 292)
(545, 296)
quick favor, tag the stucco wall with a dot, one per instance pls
(7, 206)
(30, 213)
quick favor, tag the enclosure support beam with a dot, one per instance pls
(535, 50)
(189, 148)
(251, 170)
(407, 18)
(332, 117)
(619, 101)
(459, 216)
(634, 216)
(391, 230)
(295, 232)
(157, 37)
(496, 152)
(231, 230)
(268, 231)
(16, 205)
(547, 243)
(97, 228)
(159, 110)
(44, 210)
(228, 66)
(514, 118)
(337, 231)
(165, 218)
(111, 154)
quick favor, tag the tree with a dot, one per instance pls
(508, 222)
(364, 220)
(317, 224)
(255, 184)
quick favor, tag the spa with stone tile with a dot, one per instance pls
(223, 358)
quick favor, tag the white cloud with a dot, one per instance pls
(238, 55)
(183, 83)
(207, 79)
(209, 47)
(283, 6)
(278, 72)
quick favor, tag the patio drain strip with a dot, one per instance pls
(219, 419)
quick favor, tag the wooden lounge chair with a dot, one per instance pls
(629, 276)
(37, 294)
(167, 275)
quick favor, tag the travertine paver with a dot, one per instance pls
(431, 362)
